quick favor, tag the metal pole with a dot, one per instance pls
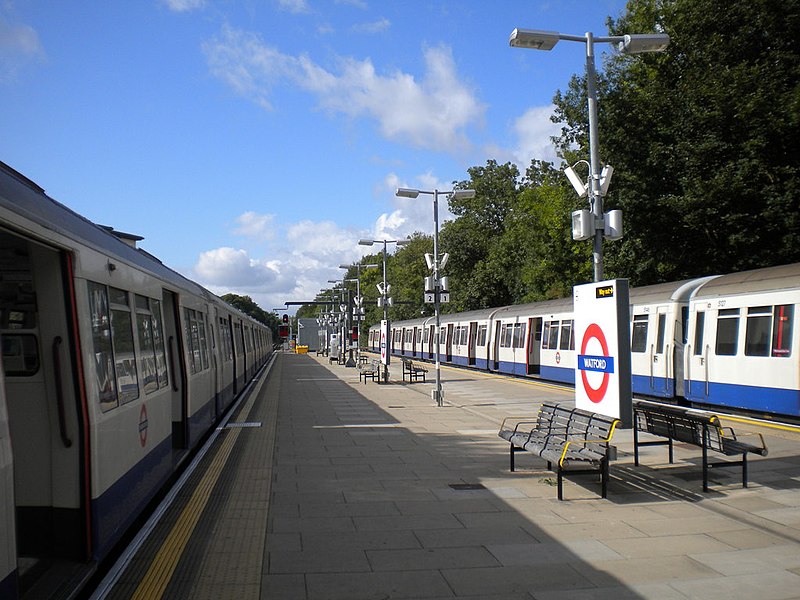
(594, 155)
(386, 318)
(436, 304)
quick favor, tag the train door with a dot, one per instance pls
(177, 368)
(496, 346)
(660, 357)
(213, 329)
(449, 343)
(471, 343)
(234, 355)
(534, 346)
(696, 359)
(431, 340)
(45, 408)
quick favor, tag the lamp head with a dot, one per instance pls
(402, 242)
(647, 42)
(533, 38)
(462, 194)
(406, 193)
(365, 242)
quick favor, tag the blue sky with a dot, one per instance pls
(253, 142)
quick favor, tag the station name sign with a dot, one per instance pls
(603, 366)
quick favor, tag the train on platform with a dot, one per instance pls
(114, 368)
(721, 341)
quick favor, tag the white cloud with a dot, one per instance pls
(234, 268)
(294, 6)
(253, 225)
(374, 27)
(19, 45)
(431, 113)
(184, 5)
(534, 131)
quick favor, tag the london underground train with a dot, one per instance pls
(114, 368)
(718, 341)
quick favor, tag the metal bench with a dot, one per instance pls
(412, 371)
(575, 440)
(695, 427)
(369, 369)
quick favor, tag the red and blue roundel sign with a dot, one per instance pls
(595, 363)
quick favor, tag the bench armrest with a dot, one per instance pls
(760, 447)
(520, 421)
(584, 442)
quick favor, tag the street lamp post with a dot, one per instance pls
(456, 194)
(359, 314)
(626, 44)
(384, 290)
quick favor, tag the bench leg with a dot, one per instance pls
(705, 467)
(635, 444)
(604, 478)
(560, 478)
(511, 452)
(744, 469)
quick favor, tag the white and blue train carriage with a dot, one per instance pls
(114, 367)
(741, 342)
(659, 319)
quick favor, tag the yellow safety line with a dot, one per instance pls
(158, 576)
(779, 426)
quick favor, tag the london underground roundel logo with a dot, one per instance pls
(597, 363)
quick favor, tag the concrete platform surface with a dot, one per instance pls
(326, 488)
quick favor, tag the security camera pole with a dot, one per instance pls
(626, 44)
(435, 264)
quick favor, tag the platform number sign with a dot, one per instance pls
(602, 334)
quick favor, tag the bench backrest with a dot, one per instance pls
(576, 423)
(680, 424)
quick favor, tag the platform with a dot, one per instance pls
(324, 488)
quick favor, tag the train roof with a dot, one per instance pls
(783, 277)
(21, 196)
(676, 291)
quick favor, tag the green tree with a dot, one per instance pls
(478, 270)
(702, 138)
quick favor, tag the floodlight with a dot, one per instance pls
(444, 260)
(429, 260)
(365, 242)
(576, 182)
(605, 179)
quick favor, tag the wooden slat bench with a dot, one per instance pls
(412, 371)
(695, 427)
(572, 439)
(369, 369)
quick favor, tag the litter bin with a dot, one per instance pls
(302, 349)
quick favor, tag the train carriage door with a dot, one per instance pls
(697, 355)
(449, 344)
(45, 404)
(472, 341)
(534, 345)
(496, 347)
(661, 357)
(431, 340)
(177, 369)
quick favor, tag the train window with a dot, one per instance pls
(147, 349)
(201, 323)
(195, 340)
(782, 330)
(158, 342)
(639, 333)
(546, 335)
(757, 333)
(552, 328)
(699, 329)
(662, 326)
(425, 335)
(505, 335)
(122, 343)
(567, 335)
(683, 324)
(105, 381)
(20, 354)
(519, 335)
(727, 332)
(481, 335)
